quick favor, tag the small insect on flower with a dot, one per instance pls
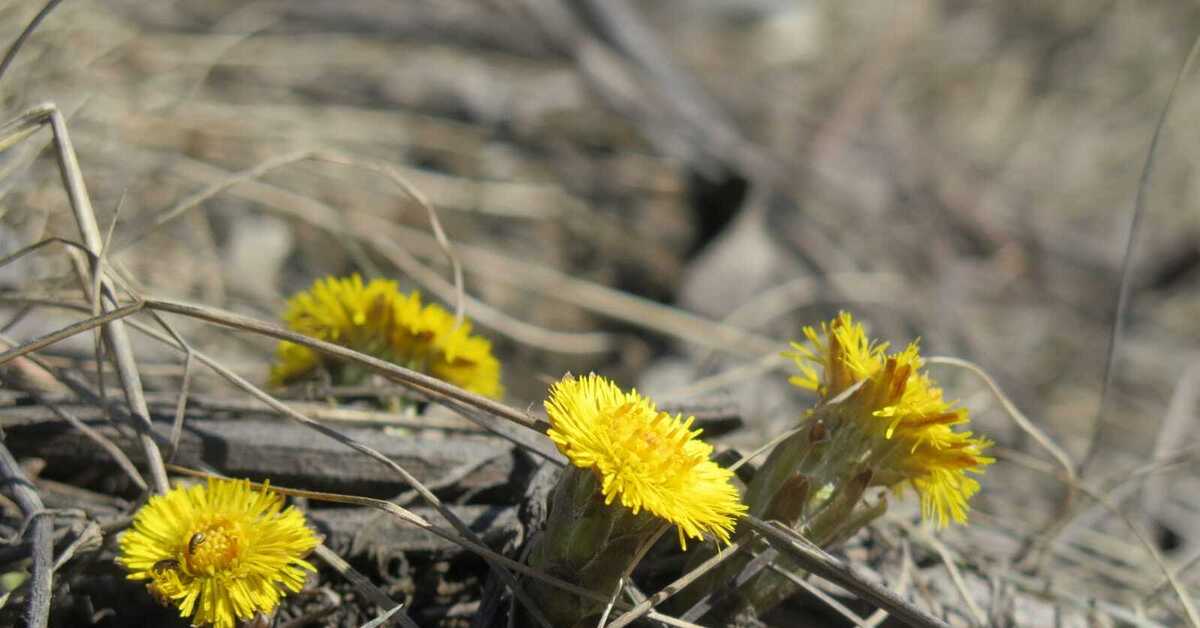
(221, 551)
(194, 542)
(165, 565)
(647, 458)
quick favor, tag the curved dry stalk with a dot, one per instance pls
(1049, 534)
(1035, 547)
(407, 377)
(1126, 280)
(245, 184)
(12, 51)
(1018, 417)
(415, 194)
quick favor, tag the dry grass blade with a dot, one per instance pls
(181, 408)
(244, 184)
(820, 595)
(1173, 431)
(382, 620)
(1126, 280)
(12, 51)
(118, 456)
(822, 564)
(407, 377)
(951, 565)
(40, 532)
(74, 329)
(1181, 592)
(90, 537)
(1018, 417)
(362, 583)
(85, 217)
(434, 223)
(1101, 497)
(644, 607)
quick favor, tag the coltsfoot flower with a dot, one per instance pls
(220, 551)
(896, 418)
(377, 319)
(646, 458)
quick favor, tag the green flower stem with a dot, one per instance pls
(587, 543)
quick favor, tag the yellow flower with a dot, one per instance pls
(220, 551)
(377, 319)
(905, 423)
(842, 351)
(647, 458)
(461, 358)
(937, 464)
(342, 311)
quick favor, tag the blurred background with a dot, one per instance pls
(666, 192)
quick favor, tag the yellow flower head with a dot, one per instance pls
(377, 319)
(907, 425)
(648, 458)
(937, 461)
(459, 357)
(220, 551)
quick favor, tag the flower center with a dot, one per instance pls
(214, 545)
(654, 445)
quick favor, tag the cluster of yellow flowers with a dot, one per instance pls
(900, 424)
(225, 551)
(377, 319)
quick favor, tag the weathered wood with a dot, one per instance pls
(364, 533)
(289, 454)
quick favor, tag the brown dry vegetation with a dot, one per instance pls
(663, 192)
